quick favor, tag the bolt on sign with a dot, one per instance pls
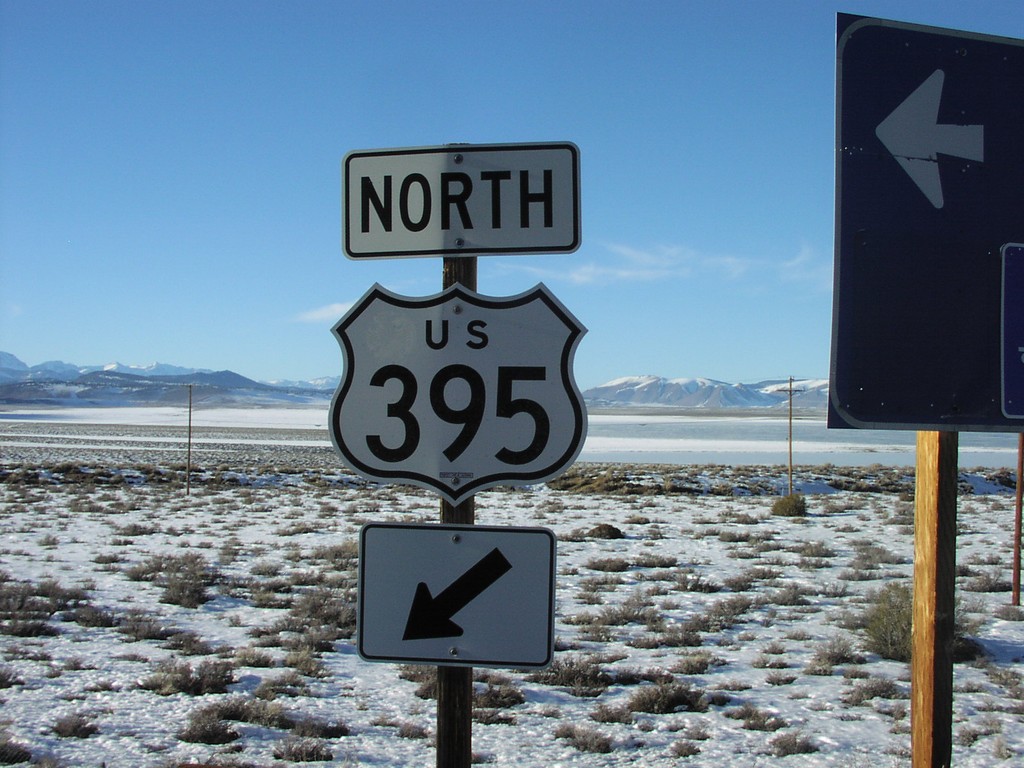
(461, 200)
(457, 392)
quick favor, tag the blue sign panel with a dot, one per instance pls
(929, 159)
(1013, 331)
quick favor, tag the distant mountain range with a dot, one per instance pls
(65, 384)
(708, 394)
(60, 383)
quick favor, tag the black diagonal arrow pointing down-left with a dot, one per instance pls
(432, 616)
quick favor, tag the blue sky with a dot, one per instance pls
(170, 171)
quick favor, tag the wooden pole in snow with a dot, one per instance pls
(1015, 597)
(790, 435)
(931, 665)
(188, 453)
(455, 684)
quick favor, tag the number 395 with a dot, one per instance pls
(469, 417)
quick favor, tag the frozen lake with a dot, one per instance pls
(641, 436)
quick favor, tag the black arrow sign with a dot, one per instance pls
(432, 616)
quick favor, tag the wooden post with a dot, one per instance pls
(188, 453)
(1015, 596)
(455, 684)
(931, 694)
(790, 435)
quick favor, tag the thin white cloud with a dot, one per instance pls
(808, 268)
(659, 262)
(625, 263)
(328, 313)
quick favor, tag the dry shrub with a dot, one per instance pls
(306, 662)
(184, 578)
(837, 650)
(500, 696)
(685, 749)
(493, 717)
(303, 750)
(605, 713)
(793, 505)
(872, 688)
(253, 657)
(696, 663)
(582, 676)
(75, 726)
(206, 727)
(605, 531)
(887, 622)
(755, 719)
(11, 752)
(607, 564)
(287, 684)
(407, 730)
(251, 710)
(91, 616)
(584, 739)
(312, 727)
(666, 698)
(138, 625)
(188, 643)
(792, 744)
(9, 678)
(174, 677)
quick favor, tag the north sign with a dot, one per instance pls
(456, 595)
(929, 162)
(461, 199)
(458, 392)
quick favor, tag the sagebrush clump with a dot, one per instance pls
(793, 505)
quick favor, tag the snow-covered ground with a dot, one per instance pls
(752, 620)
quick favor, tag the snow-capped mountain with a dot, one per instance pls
(153, 369)
(60, 383)
(708, 393)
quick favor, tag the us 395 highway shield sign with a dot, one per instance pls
(458, 391)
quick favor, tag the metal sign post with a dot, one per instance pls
(455, 684)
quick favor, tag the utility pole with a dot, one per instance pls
(791, 391)
(188, 453)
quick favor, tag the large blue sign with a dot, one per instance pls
(929, 189)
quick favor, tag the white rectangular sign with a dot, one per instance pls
(467, 199)
(456, 595)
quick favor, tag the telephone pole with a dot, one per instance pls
(791, 391)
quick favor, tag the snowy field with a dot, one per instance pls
(140, 626)
(630, 435)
